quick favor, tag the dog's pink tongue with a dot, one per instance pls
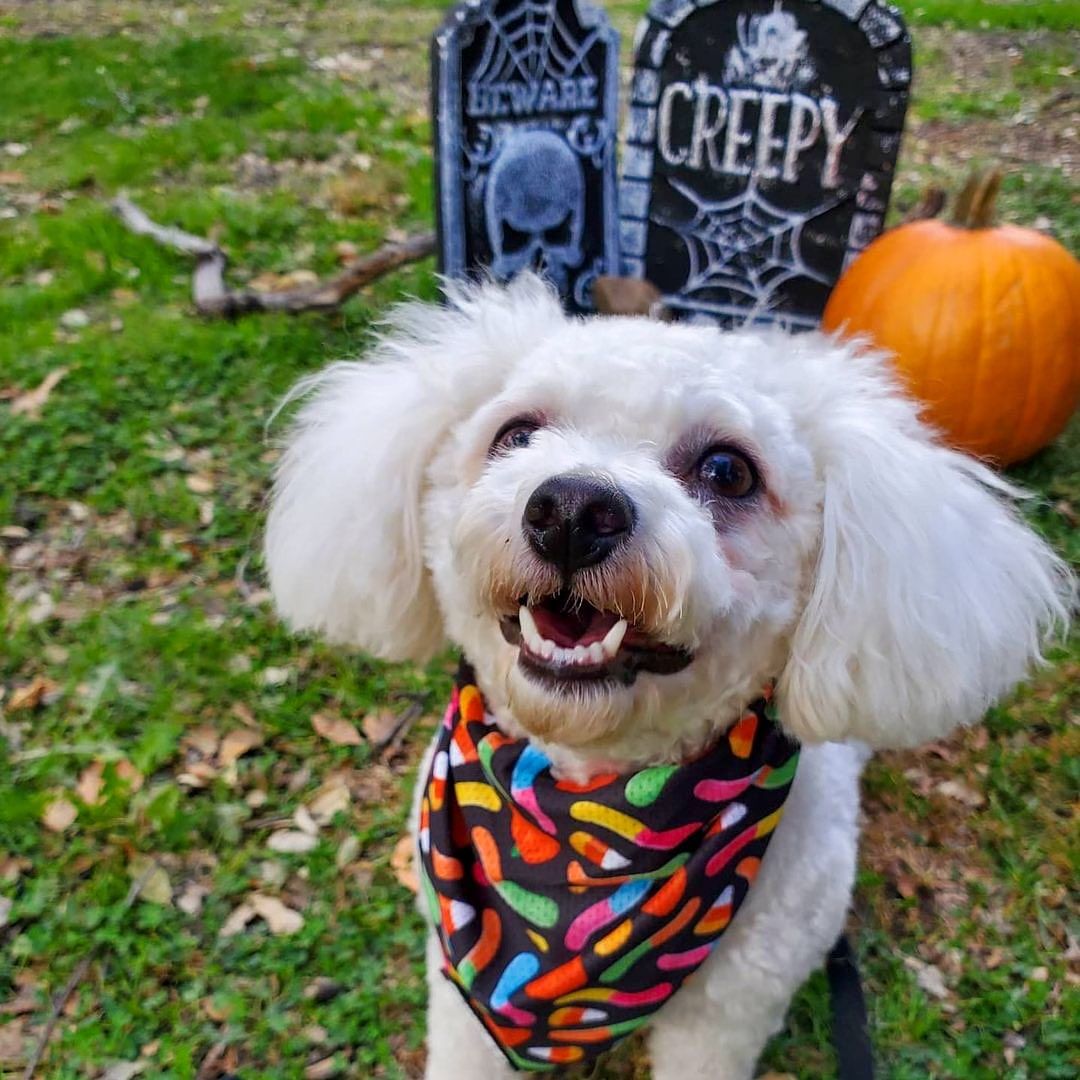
(570, 628)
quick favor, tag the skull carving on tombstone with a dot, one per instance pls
(535, 207)
(772, 52)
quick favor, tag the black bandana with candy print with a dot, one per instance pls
(568, 913)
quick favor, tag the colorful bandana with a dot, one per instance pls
(568, 913)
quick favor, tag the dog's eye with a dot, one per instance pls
(514, 435)
(728, 472)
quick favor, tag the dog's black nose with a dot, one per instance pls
(574, 521)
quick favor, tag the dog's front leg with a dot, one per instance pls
(458, 1046)
(699, 1038)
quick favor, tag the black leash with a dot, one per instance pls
(850, 1029)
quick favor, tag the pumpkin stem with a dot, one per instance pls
(977, 202)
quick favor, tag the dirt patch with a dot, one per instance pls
(1046, 137)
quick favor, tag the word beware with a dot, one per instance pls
(736, 132)
(532, 98)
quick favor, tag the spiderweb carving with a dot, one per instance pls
(531, 42)
(744, 244)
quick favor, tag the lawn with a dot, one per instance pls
(159, 729)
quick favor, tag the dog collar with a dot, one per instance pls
(568, 913)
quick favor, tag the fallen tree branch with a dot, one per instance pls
(141, 224)
(214, 299)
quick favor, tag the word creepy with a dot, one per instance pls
(739, 131)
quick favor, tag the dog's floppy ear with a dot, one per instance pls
(344, 545)
(931, 597)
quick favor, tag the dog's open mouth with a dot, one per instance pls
(564, 638)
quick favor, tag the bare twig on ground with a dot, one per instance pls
(36, 753)
(77, 976)
(266, 822)
(1060, 98)
(394, 741)
(213, 298)
(212, 1064)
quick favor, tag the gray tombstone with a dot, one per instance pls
(525, 104)
(761, 142)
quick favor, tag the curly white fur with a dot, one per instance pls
(886, 581)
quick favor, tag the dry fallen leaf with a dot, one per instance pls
(322, 989)
(27, 998)
(91, 782)
(330, 799)
(199, 484)
(198, 775)
(326, 1069)
(238, 918)
(345, 250)
(280, 919)
(929, 977)
(348, 850)
(238, 709)
(31, 695)
(401, 862)
(13, 866)
(237, 743)
(336, 729)
(190, 900)
(954, 789)
(156, 887)
(59, 815)
(303, 820)
(33, 401)
(379, 726)
(202, 739)
(124, 1070)
(291, 842)
(129, 774)
(12, 1043)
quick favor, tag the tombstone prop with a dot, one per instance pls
(525, 102)
(762, 136)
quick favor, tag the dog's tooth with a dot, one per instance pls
(580, 654)
(529, 633)
(596, 653)
(563, 656)
(614, 638)
(548, 649)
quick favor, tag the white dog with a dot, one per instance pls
(629, 529)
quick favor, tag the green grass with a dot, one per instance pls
(129, 579)
(1002, 90)
(991, 14)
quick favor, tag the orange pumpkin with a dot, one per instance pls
(984, 323)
